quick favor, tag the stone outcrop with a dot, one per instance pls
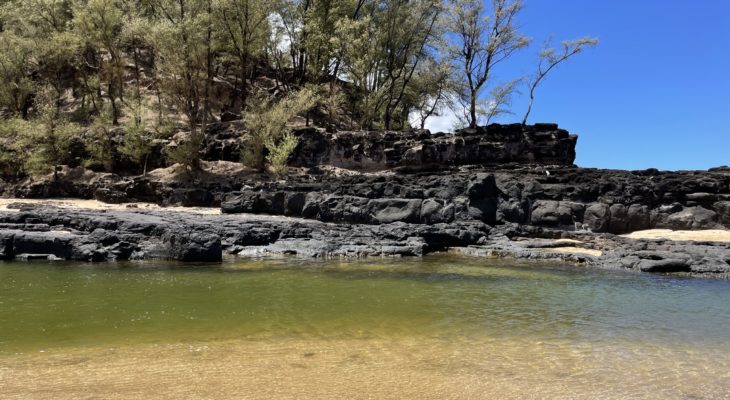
(382, 150)
(565, 198)
(45, 232)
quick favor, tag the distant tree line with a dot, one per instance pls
(145, 69)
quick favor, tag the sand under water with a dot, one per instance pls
(433, 328)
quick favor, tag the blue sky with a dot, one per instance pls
(654, 93)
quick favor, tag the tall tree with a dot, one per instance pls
(99, 24)
(244, 31)
(481, 41)
(182, 37)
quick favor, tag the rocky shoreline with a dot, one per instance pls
(501, 191)
(46, 232)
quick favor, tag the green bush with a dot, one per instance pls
(279, 154)
(268, 133)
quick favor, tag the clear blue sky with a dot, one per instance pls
(654, 93)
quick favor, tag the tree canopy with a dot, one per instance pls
(139, 65)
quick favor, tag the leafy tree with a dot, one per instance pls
(99, 24)
(16, 69)
(182, 39)
(244, 32)
(431, 90)
(100, 142)
(481, 42)
(138, 143)
(138, 140)
(14, 147)
(50, 138)
(549, 59)
(279, 154)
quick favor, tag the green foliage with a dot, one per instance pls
(364, 63)
(99, 24)
(267, 126)
(279, 154)
(14, 146)
(49, 138)
(179, 34)
(243, 35)
(186, 152)
(138, 142)
(100, 140)
(16, 67)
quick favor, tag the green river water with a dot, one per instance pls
(535, 330)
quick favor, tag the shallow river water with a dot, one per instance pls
(439, 327)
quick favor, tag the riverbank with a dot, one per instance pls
(68, 230)
(496, 191)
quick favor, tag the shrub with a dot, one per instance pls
(279, 154)
(267, 126)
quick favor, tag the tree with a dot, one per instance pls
(480, 43)
(549, 59)
(99, 24)
(138, 144)
(267, 126)
(409, 27)
(16, 69)
(431, 91)
(100, 139)
(244, 33)
(14, 146)
(51, 137)
(46, 25)
(181, 36)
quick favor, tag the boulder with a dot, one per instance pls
(556, 213)
(597, 217)
(385, 211)
(436, 211)
(639, 217)
(184, 244)
(723, 213)
(667, 265)
(54, 243)
(481, 186)
(619, 221)
(692, 218)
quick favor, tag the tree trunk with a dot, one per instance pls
(473, 110)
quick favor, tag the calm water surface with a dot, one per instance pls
(440, 327)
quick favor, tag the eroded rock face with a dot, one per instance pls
(556, 197)
(43, 232)
(493, 144)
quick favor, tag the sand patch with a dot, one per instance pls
(573, 250)
(710, 235)
(98, 205)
